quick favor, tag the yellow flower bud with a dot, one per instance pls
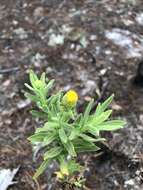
(70, 98)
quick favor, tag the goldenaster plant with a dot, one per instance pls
(65, 132)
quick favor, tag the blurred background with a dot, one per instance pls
(92, 46)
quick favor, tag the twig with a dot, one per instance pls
(115, 173)
(9, 70)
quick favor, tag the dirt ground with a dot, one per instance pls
(98, 46)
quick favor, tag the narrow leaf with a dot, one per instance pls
(91, 139)
(53, 152)
(93, 131)
(48, 126)
(63, 135)
(83, 146)
(74, 133)
(32, 77)
(43, 77)
(102, 107)
(96, 120)
(49, 139)
(37, 137)
(31, 97)
(88, 109)
(70, 148)
(39, 114)
(111, 125)
(41, 169)
(51, 124)
(29, 87)
(49, 85)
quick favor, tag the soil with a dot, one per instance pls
(111, 34)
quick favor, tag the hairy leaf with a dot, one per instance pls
(37, 137)
(102, 107)
(91, 139)
(29, 87)
(49, 139)
(39, 114)
(87, 110)
(31, 97)
(70, 148)
(111, 125)
(33, 78)
(43, 77)
(53, 152)
(74, 133)
(84, 146)
(96, 120)
(63, 135)
(41, 169)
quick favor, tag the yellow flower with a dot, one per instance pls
(62, 173)
(70, 98)
(59, 175)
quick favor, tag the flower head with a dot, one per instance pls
(70, 98)
(38, 84)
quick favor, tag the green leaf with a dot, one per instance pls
(63, 135)
(111, 125)
(49, 85)
(93, 131)
(32, 77)
(87, 138)
(43, 77)
(39, 114)
(37, 137)
(48, 126)
(29, 87)
(73, 166)
(51, 124)
(49, 139)
(96, 120)
(91, 139)
(41, 169)
(84, 146)
(53, 152)
(70, 148)
(31, 97)
(87, 110)
(102, 107)
(74, 133)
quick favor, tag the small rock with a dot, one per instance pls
(139, 19)
(89, 87)
(93, 37)
(56, 40)
(23, 103)
(103, 71)
(22, 34)
(116, 106)
(38, 12)
(37, 59)
(8, 121)
(6, 83)
(15, 22)
(129, 182)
